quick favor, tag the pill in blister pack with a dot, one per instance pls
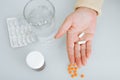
(19, 35)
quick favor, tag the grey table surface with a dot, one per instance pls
(104, 63)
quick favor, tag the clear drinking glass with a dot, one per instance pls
(40, 14)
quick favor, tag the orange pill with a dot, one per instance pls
(74, 65)
(74, 71)
(70, 72)
(72, 76)
(70, 65)
(75, 74)
(82, 75)
(72, 68)
(69, 69)
(76, 68)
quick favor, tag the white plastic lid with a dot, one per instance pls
(35, 60)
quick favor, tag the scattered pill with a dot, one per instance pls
(73, 71)
(72, 76)
(74, 65)
(70, 72)
(75, 74)
(82, 75)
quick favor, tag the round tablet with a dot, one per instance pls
(35, 60)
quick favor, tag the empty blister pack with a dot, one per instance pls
(19, 35)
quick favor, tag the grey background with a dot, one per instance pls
(103, 65)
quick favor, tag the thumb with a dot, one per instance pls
(63, 29)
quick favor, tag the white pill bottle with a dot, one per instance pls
(35, 60)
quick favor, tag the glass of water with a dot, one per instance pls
(40, 14)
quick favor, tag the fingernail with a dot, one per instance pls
(85, 62)
(79, 66)
(55, 37)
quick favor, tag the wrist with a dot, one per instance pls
(89, 10)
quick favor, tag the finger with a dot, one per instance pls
(83, 54)
(70, 47)
(63, 29)
(89, 48)
(86, 37)
(77, 55)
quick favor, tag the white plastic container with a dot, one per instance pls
(35, 60)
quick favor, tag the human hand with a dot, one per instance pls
(82, 20)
